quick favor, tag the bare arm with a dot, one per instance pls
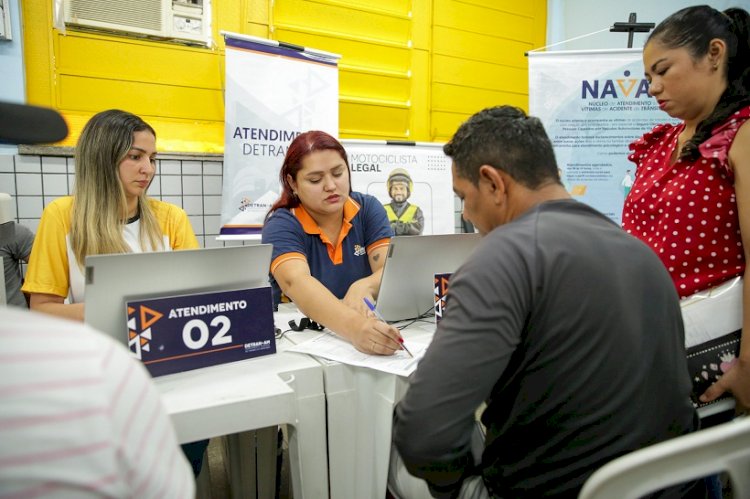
(367, 287)
(54, 305)
(367, 334)
(737, 379)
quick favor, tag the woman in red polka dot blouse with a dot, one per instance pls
(690, 201)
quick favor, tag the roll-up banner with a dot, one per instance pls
(593, 105)
(274, 92)
(412, 180)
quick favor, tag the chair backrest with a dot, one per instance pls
(725, 447)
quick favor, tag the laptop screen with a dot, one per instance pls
(112, 280)
(407, 286)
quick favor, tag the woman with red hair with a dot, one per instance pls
(329, 243)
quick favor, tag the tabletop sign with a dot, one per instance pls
(441, 294)
(180, 333)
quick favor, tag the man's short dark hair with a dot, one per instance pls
(505, 138)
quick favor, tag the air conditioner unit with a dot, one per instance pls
(167, 19)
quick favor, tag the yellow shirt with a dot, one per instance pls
(52, 266)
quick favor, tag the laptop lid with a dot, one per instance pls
(112, 280)
(407, 286)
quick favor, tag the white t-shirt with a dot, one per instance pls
(54, 270)
(77, 283)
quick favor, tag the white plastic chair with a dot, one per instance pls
(707, 452)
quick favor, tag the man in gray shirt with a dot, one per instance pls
(567, 327)
(15, 247)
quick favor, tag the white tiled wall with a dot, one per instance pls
(194, 184)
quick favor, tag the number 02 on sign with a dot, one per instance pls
(180, 333)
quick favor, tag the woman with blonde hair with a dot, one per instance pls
(109, 212)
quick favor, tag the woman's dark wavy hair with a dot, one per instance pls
(693, 28)
(303, 145)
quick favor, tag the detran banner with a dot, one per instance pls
(593, 105)
(274, 92)
(412, 181)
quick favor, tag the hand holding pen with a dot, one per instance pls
(371, 306)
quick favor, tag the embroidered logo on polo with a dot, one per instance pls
(139, 329)
(359, 250)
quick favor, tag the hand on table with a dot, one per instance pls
(376, 337)
(737, 381)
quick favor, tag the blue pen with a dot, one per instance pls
(380, 317)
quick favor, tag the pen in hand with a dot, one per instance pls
(380, 317)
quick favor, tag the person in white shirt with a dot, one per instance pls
(79, 417)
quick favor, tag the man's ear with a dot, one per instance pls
(494, 182)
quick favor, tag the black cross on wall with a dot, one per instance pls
(632, 27)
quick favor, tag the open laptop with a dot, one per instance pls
(112, 280)
(407, 286)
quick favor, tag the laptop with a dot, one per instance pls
(113, 280)
(407, 286)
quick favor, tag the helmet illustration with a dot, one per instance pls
(400, 175)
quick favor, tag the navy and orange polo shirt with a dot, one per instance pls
(294, 234)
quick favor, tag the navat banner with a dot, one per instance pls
(593, 105)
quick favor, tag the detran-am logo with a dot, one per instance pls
(620, 88)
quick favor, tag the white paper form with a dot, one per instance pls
(330, 346)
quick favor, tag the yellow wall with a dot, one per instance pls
(410, 69)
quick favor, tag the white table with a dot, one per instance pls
(284, 388)
(360, 404)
